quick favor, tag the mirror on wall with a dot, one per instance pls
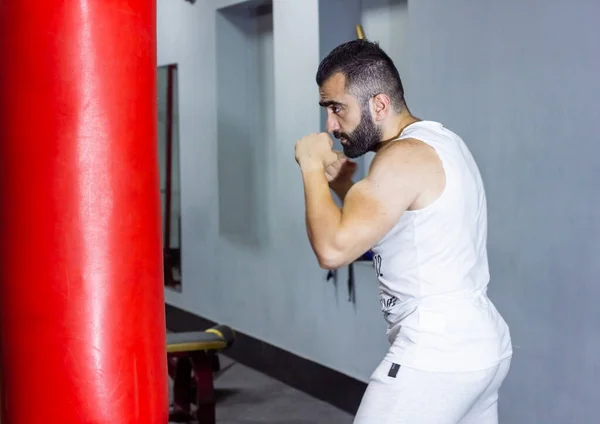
(170, 192)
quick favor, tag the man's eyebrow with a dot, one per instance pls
(327, 103)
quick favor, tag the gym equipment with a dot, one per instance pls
(82, 315)
(360, 34)
(192, 360)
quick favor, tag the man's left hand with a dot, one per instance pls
(314, 150)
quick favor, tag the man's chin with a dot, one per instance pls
(351, 153)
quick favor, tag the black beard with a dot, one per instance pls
(364, 138)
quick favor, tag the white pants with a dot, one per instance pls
(421, 397)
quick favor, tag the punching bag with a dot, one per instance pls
(82, 320)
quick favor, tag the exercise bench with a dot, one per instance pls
(195, 354)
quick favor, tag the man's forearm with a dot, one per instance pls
(323, 216)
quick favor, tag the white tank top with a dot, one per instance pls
(433, 272)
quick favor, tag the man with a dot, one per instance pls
(422, 211)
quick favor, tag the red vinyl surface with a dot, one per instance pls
(82, 324)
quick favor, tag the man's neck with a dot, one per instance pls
(394, 128)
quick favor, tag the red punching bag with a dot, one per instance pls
(82, 321)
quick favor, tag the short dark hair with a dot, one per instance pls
(368, 70)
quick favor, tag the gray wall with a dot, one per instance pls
(519, 80)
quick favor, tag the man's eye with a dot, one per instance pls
(336, 109)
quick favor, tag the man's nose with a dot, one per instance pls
(332, 124)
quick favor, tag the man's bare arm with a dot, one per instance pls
(371, 207)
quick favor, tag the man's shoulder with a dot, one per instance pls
(408, 164)
(405, 155)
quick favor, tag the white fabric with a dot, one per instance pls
(433, 271)
(425, 397)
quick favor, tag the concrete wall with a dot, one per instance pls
(519, 81)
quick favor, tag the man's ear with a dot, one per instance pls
(381, 106)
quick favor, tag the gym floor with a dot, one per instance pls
(249, 397)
